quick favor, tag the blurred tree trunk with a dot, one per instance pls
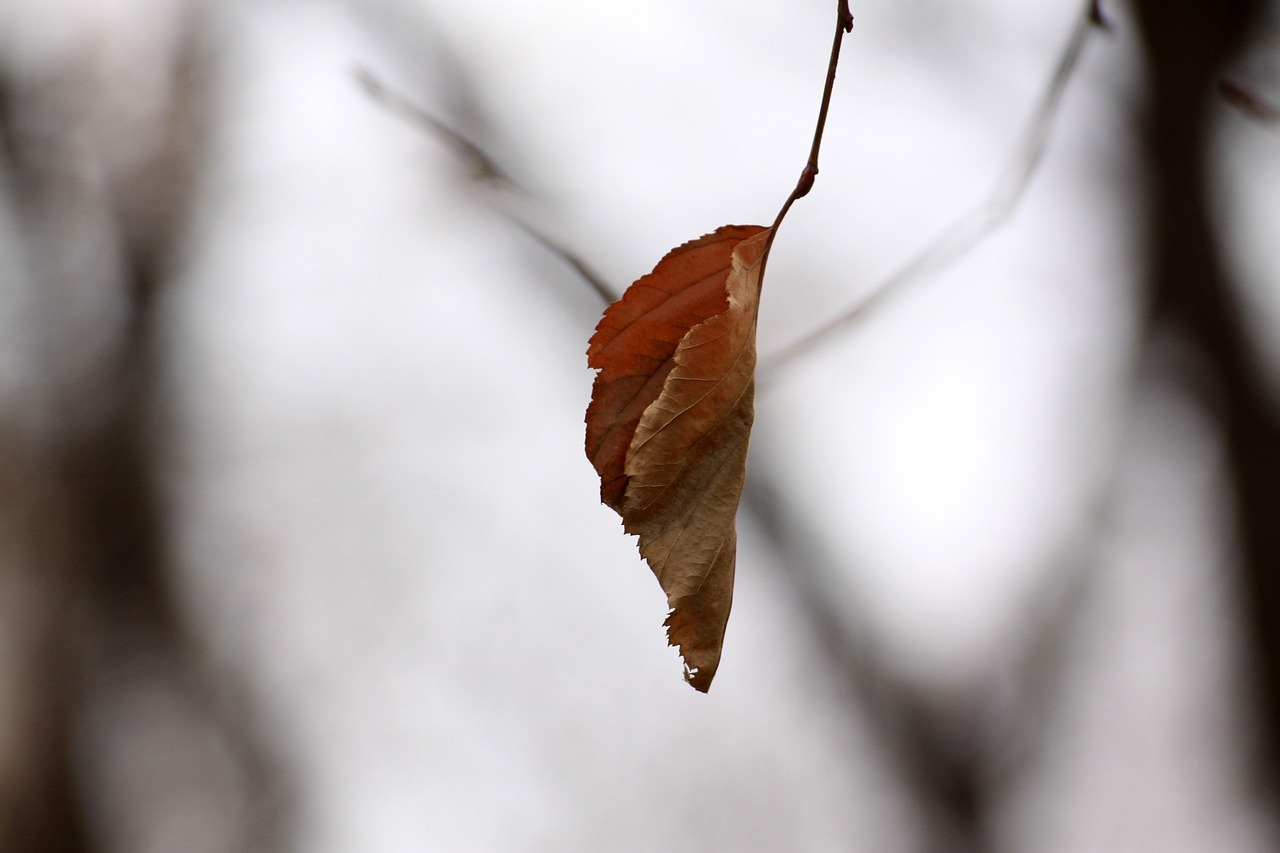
(39, 805)
(102, 198)
(1188, 47)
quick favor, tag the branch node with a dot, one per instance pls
(806, 181)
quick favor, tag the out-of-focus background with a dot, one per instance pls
(299, 549)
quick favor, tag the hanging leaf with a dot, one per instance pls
(669, 420)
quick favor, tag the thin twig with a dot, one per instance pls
(970, 230)
(844, 24)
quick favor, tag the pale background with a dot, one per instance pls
(387, 529)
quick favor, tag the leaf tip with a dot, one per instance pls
(696, 679)
(700, 659)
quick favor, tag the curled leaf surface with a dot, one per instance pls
(669, 422)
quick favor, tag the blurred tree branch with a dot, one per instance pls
(1249, 102)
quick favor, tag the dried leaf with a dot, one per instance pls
(669, 420)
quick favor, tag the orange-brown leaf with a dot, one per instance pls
(669, 421)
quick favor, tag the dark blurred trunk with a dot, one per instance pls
(86, 567)
(96, 611)
(1188, 46)
(39, 804)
